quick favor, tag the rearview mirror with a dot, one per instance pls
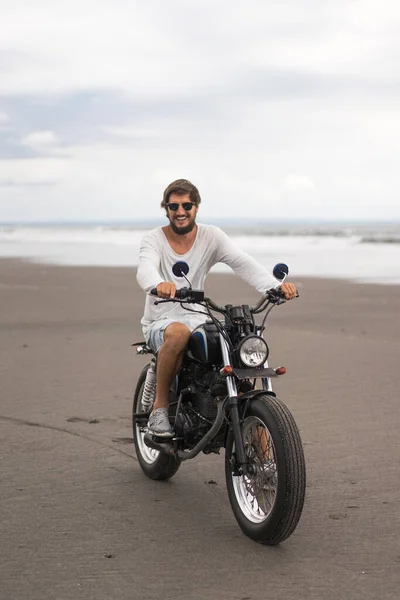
(280, 271)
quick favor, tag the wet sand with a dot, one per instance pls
(78, 518)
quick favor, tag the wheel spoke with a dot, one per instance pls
(256, 492)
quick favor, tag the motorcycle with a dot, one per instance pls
(215, 403)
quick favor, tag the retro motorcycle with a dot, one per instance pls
(215, 403)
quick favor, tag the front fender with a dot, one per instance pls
(253, 394)
(244, 401)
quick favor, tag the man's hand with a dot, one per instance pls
(289, 290)
(166, 289)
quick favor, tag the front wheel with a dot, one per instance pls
(268, 501)
(155, 464)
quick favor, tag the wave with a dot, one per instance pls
(127, 235)
(380, 240)
(268, 232)
(120, 233)
(315, 252)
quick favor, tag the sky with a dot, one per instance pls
(284, 109)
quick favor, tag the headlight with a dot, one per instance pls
(253, 351)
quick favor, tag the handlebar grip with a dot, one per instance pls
(180, 293)
(183, 293)
(276, 293)
(282, 295)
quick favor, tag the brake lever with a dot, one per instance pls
(166, 300)
(282, 300)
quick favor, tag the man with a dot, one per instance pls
(167, 327)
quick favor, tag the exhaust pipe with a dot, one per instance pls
(219, 419)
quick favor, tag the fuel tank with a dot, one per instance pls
(204, 344)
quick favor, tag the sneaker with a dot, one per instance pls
(158, 423)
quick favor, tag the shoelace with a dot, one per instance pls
(159, 416)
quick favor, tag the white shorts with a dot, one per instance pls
(154, 335)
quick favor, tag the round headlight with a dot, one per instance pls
(253, 351)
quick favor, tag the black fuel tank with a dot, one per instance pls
(204, 344)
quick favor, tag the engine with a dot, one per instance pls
(199, 406)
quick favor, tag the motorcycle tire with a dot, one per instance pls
(267, 503)
(155, 464)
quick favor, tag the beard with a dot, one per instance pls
(182, 230)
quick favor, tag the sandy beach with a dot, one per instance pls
(80, 520)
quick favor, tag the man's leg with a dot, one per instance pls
(169, 360)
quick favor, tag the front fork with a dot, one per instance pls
(241, 465)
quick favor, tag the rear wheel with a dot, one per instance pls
(155, 464)
(267, 502)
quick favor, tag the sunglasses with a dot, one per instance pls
(185, 205)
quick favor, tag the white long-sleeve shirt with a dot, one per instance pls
(211, 246)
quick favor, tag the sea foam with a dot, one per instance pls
(363, 254)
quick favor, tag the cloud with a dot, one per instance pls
(40, 140)
(271, 108)
(294, 183)
(4, 121)
(32, 172)
(172, 49)
(131, 132)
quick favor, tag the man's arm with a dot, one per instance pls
(147, 274)
(242, 264)
(247, 268)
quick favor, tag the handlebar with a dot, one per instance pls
(274, 295)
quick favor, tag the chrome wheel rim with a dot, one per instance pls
(149, 455)
(256, 493)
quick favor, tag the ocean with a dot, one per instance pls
(363, 253)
